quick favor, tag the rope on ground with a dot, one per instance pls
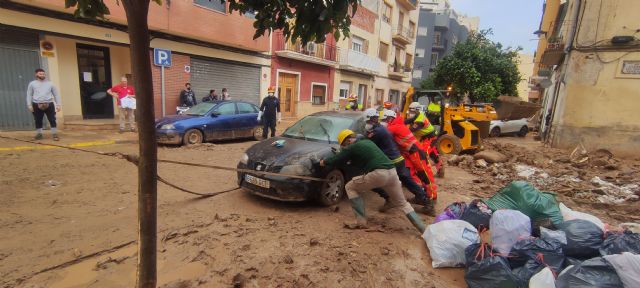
(134, 159)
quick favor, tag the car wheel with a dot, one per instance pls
(523, 131)
(333, 190)
(495, 132)
(257, 133)
(449, 144)
(192, 136)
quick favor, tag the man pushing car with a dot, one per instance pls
(380, 172)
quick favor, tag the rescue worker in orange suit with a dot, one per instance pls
(383, 139)
(423, 130)
(411, 151)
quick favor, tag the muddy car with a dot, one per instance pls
(298, 151)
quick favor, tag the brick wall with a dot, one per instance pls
(174, 79)
(365, 19)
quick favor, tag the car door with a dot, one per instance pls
(221, 122)
(247, 119)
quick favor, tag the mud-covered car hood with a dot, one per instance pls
(294, 151)
(173, 119)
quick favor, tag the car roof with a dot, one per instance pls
(343, 114)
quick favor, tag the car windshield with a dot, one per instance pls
(319, 128)
(200, 109)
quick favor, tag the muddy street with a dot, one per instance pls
(78, 211)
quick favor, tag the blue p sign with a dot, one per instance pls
(162, 57)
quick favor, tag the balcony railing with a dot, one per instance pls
(354, 60)
(311, 50)
(403, 34)
(398, 71)
(409, 4)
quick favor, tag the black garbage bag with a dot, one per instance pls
(526, 271)
(490, 273)
(592, 273)
(616, 243)
(477, 252)
(583, 238)
(544, 252)
(478, 214)
(571, 261)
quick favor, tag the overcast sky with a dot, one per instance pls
(513, 21)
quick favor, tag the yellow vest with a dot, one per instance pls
(426, 129)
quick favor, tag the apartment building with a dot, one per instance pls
(210, 48)
(587, 75)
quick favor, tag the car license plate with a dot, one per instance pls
(256, 181)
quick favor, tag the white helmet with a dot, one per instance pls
(414, 106)
(388, 113)
(371, 112)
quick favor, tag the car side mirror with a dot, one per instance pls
(215, 114)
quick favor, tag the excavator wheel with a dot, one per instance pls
(449, 144)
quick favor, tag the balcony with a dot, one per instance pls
(403, 35)
(321, 54)
(408, 4)
(359, 62)
(442, 20)
(554, 52)
(398, 71)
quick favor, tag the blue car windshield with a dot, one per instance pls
(200, 109)
(319, 128)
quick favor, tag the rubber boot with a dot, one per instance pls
(386, 206)
(428, 208)
(357, 204)
(416, 221)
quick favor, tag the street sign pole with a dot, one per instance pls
(162, 90)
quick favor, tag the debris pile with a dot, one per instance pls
(594, 177)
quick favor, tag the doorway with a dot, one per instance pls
(288, 93)
(362, 95)
(94, 68)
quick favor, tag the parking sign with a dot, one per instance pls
(161, 57)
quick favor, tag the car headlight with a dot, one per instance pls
(167, 127)
(244, 159)
(296, 169)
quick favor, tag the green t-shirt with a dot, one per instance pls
(363, 154)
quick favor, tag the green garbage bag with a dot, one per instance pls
(522, 196)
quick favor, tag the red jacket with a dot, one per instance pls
(401, 134)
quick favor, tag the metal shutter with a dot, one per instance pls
(242, 82)
(19, 55)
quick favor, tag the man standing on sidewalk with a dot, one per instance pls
(269, 109)
(119, 92)
(43, 99)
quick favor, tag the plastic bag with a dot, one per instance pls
(627, 266)
(526, 271)
(593, 273)
(490, 273)
(543, 279)
(453, 211)
(555, 235)
(478, 214)
(521, 196)
(447, 240)
(617, 243)
(569, 214)
(507, 227)
(569, 261)
(547, 253)
(583, 238)
(477, 252)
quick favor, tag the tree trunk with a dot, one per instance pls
(137, 12)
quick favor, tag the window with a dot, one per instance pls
(246, 108)
(408, 62)
(412, 28)
(227, 109)
(362, 93)
(212, 4)
(357, 44)
(344, 89)
(379, 96)
(394, 97)
(318, 94)
(434, 59)
(437, 41)
(383, 53)
(386, 13)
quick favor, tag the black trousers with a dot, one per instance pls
(268, 123)
(405, 177)
(38, 115)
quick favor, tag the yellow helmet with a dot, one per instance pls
(344, 134)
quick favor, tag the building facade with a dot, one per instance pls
(588, 75)
(440, 28)
(525, 66)
(84, 58)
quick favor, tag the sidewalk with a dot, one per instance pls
(67, 137)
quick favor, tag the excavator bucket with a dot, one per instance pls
(512, 108)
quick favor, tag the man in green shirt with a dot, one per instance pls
(379, 172)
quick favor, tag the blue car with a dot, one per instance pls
(209, 121)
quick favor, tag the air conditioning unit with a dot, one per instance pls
(311, 48)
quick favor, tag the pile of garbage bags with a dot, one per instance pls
(534, 242)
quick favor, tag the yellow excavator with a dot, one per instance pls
(460, 127)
